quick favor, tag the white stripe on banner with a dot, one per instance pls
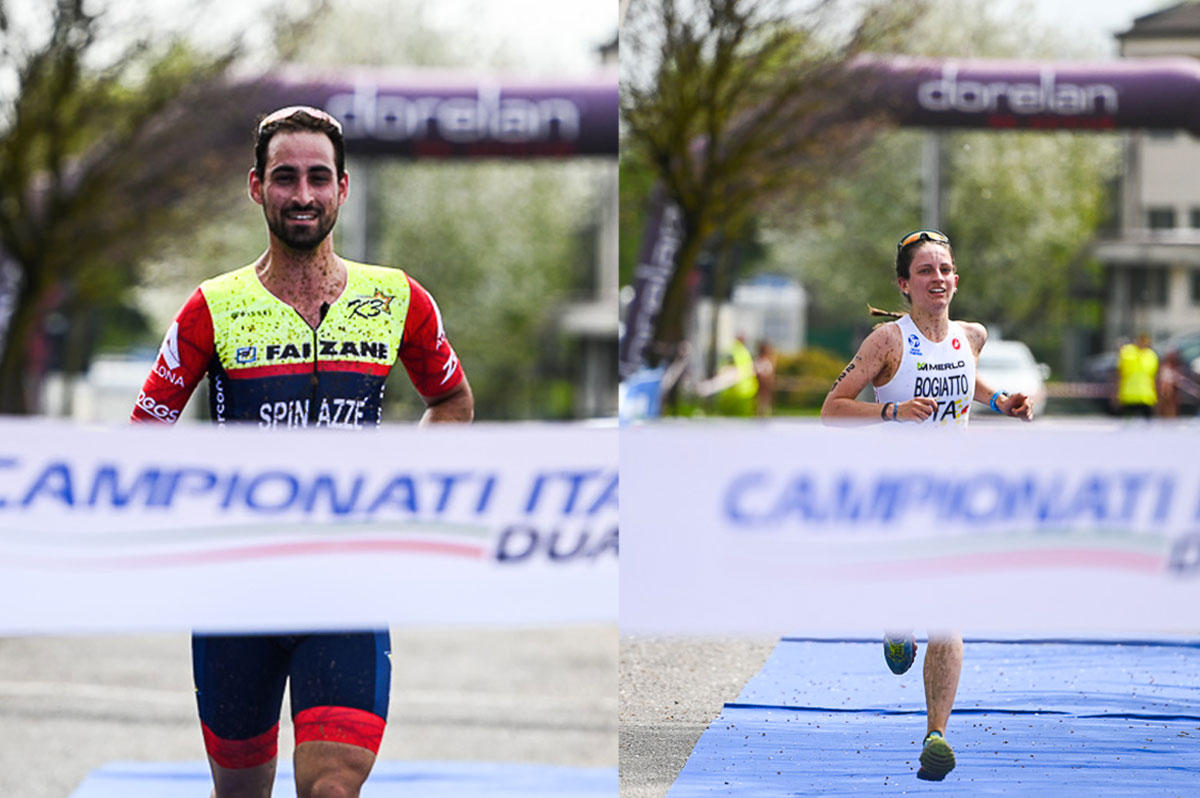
(1009, 528)
(139, 528)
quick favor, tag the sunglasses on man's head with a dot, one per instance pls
(922, 235)
(293, 110)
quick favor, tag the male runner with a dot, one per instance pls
(923, 369)
(300, 338)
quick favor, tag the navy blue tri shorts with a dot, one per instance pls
(339, 691)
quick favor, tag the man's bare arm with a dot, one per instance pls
(455, 406)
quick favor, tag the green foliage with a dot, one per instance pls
(637, 182)
(232, 235)
(1023, 210)
(497, 244)
(121, 327)
(1020, 207)
(804, 378)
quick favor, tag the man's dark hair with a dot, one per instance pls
(295, 120)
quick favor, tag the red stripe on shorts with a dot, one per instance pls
(340, 725)
(239, 754)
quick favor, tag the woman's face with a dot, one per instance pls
(932, 280)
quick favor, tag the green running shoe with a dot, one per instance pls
(937, 758)
(900, 651)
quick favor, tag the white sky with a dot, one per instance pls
(550, 31)
(1091, 24)
(1098, 20)
(551, 36)
(561, 35)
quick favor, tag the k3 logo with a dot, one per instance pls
(368, 307)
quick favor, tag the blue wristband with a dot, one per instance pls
(993, 402)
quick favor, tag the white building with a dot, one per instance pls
(1153, 261)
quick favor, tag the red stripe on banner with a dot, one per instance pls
(340, 725)
(239, 754)
(473, 551)
(1016, 560)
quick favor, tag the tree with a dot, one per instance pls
(1020, 207)
(500, 246)
(102, 155)
(744, 107)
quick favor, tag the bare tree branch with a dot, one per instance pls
(97, 165)
(746, 108)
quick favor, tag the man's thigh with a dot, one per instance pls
(339, 688)
(239, 681)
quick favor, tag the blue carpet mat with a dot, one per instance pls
(1032, 718)
(388, 780)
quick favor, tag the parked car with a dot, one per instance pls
(1100, 372)
(1010, 366)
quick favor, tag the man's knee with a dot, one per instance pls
(252, 782)
(331, 770)
(332, 783)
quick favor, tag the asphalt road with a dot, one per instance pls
(71, 704)
(671, 689)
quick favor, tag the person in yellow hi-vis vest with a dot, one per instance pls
(1137, 369)
(739, 398)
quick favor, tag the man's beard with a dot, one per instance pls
(301, 238)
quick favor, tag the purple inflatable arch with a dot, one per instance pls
(1157, 93)
(449, 115)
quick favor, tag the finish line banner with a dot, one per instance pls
(146, 528)
(1010, 528)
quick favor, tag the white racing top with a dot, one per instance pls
(942, 370)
